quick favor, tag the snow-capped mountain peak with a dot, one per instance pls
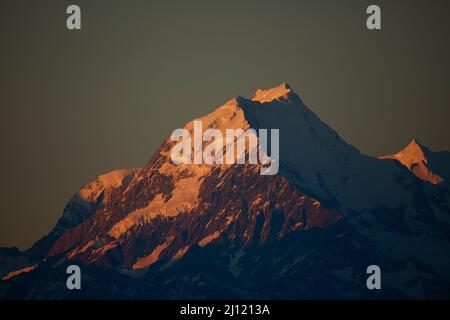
(418, 159)
(412, 153)
(280, 92)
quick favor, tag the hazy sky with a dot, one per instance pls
(76, 104)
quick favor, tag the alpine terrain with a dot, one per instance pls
(199, 231)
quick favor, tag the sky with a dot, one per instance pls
(77, 104)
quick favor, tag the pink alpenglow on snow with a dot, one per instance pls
(415, 157)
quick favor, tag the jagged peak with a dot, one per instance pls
(415, 157)
(413, 152)
(415, 144)
(282, 91)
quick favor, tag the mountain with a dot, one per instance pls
(425, 164)
(192, 231)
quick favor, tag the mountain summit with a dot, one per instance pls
(425, 164)
(283, 91)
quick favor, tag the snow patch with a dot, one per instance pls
(206, 240)
(20, 271)
(153, 256)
